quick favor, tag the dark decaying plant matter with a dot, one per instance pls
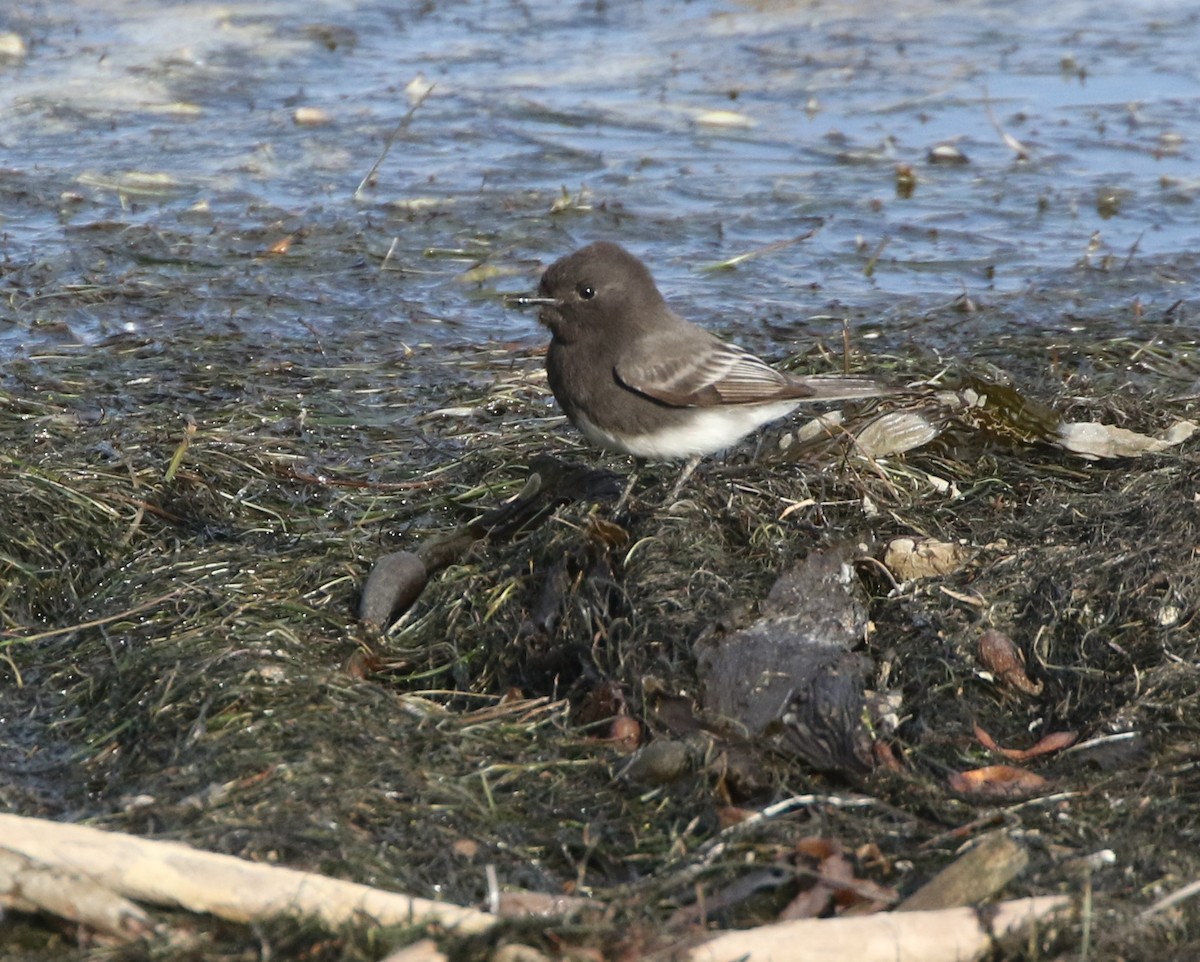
(185, 539)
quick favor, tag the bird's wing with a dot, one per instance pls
(701, 371)
(692, 368)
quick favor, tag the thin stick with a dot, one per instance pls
(1010, 141)
(404, 122)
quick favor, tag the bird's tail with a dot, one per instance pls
(834, 387)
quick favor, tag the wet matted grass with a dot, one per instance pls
(186, 533)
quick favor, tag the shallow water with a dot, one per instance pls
(150, 144)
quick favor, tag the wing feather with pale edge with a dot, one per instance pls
(707, 374)
(693, 368)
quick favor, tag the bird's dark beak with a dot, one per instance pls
(548, 306)
(529, 300)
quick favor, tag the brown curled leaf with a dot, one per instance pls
(998, 781)
(1046, 745)
(1001, 657)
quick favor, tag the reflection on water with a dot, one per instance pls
(143, 140)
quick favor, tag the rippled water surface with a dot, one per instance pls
(146, 144)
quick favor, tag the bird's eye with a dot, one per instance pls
(586, 291)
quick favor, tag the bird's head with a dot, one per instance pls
(594, 290)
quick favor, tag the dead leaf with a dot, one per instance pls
(1046, 745)
(625, 733)
(465, 847)
(1093, 440)
(524, 905)
(728, 815)
(811, 903)
(998, 781)
(1001, 657)
(912, 558)
(607, 533)
(895, 433)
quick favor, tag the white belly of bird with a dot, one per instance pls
(707, 431)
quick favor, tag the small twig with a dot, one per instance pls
(388, 256)
(1133, 250)
(869, 267)
(737, 259)
(714, 847)
(1010, 141)
(1167, 901)
(404, 122)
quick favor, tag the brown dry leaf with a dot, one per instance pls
(986, 740)
(607, 533)
(625, 733)
(511, 696)
(912, 558)
(1046, 745)
(998, 781)
(873, 897)
(512, 905)
(1001, 657)
(837, 872)
(728, 815)
(836, 882)
(1093, 440)
(363, 664)
(1054, 742)
(818, 849)
(465, 847)
(885, 757)
(812, 903)
(602, 703)
(822, 856)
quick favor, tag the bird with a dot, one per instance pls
(637, 378)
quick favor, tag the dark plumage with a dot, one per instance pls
(635, 377)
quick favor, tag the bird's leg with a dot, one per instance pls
(633, 476)
(684, 475)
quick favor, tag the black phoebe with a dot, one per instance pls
(635, 377)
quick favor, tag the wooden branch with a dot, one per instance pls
(171, 873)
(28, 885)
(174, 874)
(949, 935)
